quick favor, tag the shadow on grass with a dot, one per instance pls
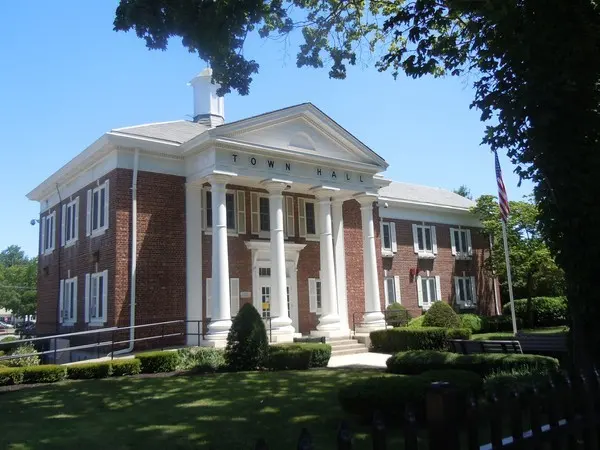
(222, 411)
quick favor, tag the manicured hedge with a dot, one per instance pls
(442, 315)
(44, 374)
(157, 362)
(300, 356)
(547, 311)
(123, 367)
(426, 338)
(202, 359)
(10, 376)
(517, 380)
(416, 362)
(397, 315)
(417, 322)
(499, 323)
(472, 321)
(86, 371)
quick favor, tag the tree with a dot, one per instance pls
(12, 256)
(533, 268)
(535, 66)
(18, 279)
(463, 191)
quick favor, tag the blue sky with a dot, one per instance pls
(68, 77)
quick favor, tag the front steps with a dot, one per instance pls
(346, 346)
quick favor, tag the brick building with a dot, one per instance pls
(286, 210)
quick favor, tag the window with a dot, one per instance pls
(265, 218)
(264, 271)
(97, 210)
(311, 222)
(96, 297)
(48, 233)
(428, 291)
(391, 287)
(265, 300)
(70, 222)
(229, 207)
(465, 291)
(425, 242)
(389, 245)
(68, 301)
(314, 295)
(461, 243)
(308, 220)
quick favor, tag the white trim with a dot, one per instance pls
(463, 302)
(68, 288)
(101, 227)
(424, 253)
(397, 288)
(74, 205)
(301, 217)
(393, 247)
(289, 215)
(438, 289)
(208, 298)
(234, 288)
(311, 236)
(87, 298)
(313, 295)
(457, 247)
(419, 292)
(95, 317)
(254, 213)
(46, 250)
(241, 212)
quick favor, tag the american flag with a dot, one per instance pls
(502, 197)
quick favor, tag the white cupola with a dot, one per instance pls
(209, 108)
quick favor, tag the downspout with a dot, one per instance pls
(129, 348)
(58, 228)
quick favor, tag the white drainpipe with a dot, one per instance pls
(133, 255)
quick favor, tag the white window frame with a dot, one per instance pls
(457, 247)
(425, 253)
(70, 227)
(464, 302)
(50, 234)
(426, 299)
(393, 247)
(68, 288)
(234, 295)
(92, 290)
(240, 225)
(101, 228)
(394, 283)
(315, 290)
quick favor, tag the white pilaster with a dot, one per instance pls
(340, 261)
(220, 323)
(193, 246)
(281, 322)
(373, 318)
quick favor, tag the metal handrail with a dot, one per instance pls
(385, 313)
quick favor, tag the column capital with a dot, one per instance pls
(220, 177)
(366, 199)
(275, 185)
(324, 192)
(340, 199)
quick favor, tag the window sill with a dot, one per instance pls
(464, 306)
(70, 243)
(387, 253)
(97, 323)
(463, 257)
(312, 237)
(65, 323)
(422, 255)
(98, 232)
(48, 252)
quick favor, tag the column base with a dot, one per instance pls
(215, 341)
(370, 326)
(283, 337)
(218, 327)
(331, 333)
(329, 322)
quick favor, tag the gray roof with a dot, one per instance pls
(179, 131)
(424, 194)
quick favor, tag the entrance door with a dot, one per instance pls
(263, 294)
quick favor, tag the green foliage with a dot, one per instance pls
(25, 361)
(247, 344)
(86, 371)
(495, 324)
(158, 362)
(10, 376)
(301, 356)
(547, 311)
(127, 366)
(521, 380)
(397, 315)
(201, 359)
(427, 338)
(472, 321)
(416, 362)
(44, 374)
(464, 380)
(417, 322)
(464, 191)
(18, 281)
(441, 314)
(458, 333)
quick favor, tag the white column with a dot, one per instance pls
(340, 261)
(281, 322)
(193, 250)
(220, 323)
(373, 317)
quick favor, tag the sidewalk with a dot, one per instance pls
(361, 359)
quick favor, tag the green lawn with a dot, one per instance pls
(223, 411)
(509, 335)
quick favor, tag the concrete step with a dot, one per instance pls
(345, 345)
(353, 351)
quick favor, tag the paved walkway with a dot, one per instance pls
(361, 359)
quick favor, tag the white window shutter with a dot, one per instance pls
(397, 289)
(302, 218)
(106, 204)
(76, 212)
(438, 288)
(254, 213)
(88, 214)
(52, 230)
(63, 219)
(457, 290)
(209, 297)
(469, 246)
(241, 212)
(234, 287)
(415, 238)
(453, 241)
(87, 298)
(419, 290)
(312, 295)
(386, 292)
(433, 240)
(105, 295)
(61, 297)
(289, 201)
(393, 237)
(43, 228)
(473, 291)
(381, 238)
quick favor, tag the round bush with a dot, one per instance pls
(417, 322)
(158, 362)
(201, 359)
(471, 321)
(441, 314)
(86, 371)
(397, 315)
(44, 374)
(129, 366)
(247, 344)
(547, 311)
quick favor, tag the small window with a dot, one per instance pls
(97, 210)
(461, 242)
(465, 291)
(429, 291)
(319, 301)
(229, 206)
(386, 238)
(264, 214)
(264, 271)
(314, 295)
(311, 223)
(265, 299)
(68, 301)
(390, 287)
(389, 245)
(425, 243)
(71, 222)
(48, 232)
(97, 297)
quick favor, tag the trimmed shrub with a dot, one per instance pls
(464, 380)
(26, 361)
(472, 322)
(417, 322)
(442, 315)
(397, 315)
(401, 339)
(44, 374)
(499, 323)
(122, 367)
(416, 362)
(10, 376)
(247, 344)
(458, 333)
(87, 371)
(201, 359)
(519, 380)
(298, 356)
(547, 311)
(158, 362)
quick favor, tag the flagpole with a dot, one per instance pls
(509, 278)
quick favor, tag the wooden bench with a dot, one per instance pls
(310, 339)
(468, 347)
(544, 343)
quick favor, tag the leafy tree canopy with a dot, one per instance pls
(18, 280)
(464, 191)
